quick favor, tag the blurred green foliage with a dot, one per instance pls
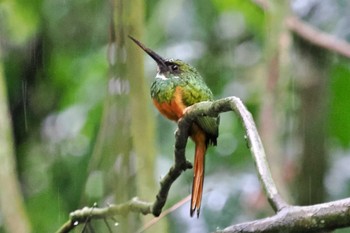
(56, 67)
(340, 104)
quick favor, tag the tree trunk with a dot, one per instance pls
(11, 200)
(125, 144)
(273, 111)
(312, 83)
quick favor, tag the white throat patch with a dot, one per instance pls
(161, 76)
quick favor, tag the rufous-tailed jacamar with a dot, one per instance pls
(176, 87)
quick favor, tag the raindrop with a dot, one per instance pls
(116, 224)
(24, 99)
(76, 223)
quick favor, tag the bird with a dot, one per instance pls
(176, 87)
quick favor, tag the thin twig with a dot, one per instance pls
(107, 225)
(164, 214)
(80, 216)
(317, 37)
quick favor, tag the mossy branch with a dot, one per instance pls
(313, 218)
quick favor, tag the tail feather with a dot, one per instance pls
(198, 177)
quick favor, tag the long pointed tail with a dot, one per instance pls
(198, 175)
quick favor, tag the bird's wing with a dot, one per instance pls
(210, 125)
(198, 93)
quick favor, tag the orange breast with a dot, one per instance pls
(174, 109)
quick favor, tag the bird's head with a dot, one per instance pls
(168, 68)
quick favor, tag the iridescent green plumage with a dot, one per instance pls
(193, 87)
(176, 87)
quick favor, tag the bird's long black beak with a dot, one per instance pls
(160, 61)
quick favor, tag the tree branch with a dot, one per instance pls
(87, 213)
(181, 164)
(326, 216)
(252, 137)
(310, 33)
(317, 37)
(300, 219)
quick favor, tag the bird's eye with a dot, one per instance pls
(174, 67)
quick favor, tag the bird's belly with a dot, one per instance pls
(168, 101)
(171, 110)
